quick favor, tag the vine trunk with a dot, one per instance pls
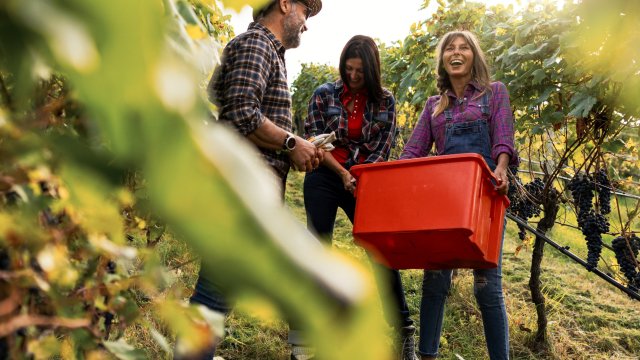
(550, 211)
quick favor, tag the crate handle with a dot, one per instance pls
(492, 179)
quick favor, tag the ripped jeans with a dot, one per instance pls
(487, 287)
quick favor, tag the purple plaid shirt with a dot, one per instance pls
(429, 131)
(250, 85)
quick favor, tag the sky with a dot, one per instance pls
(339, 20)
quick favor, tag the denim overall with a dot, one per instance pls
(466, 137)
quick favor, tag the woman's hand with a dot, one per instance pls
(348, 181)
(503, 181)
(501, 174)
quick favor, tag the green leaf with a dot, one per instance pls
(545, 95)
(537, 130)
(527, 49)
(551, 59)
(581, 104)
(237, 5)
(538, 76)
(186, 12)
(160, 339)
(124, 351)
(616, 146)
(91, 202)
(556, 116)
(45, 348)
(539, 49)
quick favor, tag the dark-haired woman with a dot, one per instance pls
(362, 114)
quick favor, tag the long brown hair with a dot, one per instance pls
(479, 70)
(364, 48)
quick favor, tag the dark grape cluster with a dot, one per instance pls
(12, 197)
(592, 223)
(533, 196)
(603, 186)
(593, 226)
(111, 267)
(514, 181)
(5, 261)
(525, 205)
(626, 254)
(514, 199)
(581, 187)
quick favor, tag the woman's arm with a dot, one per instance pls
(502, 140)
(502, 124)
(348, 180)
(421, 139)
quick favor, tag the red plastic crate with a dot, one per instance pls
(439, 212)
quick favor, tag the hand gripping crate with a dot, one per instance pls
(439, 212)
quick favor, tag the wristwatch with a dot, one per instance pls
(289, 142)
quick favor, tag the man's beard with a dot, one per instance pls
(291, 36)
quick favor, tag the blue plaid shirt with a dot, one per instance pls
(326, 114)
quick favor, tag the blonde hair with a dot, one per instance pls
(479, 70)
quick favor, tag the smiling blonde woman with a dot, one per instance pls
(470, 115)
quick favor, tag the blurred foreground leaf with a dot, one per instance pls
(143, 105)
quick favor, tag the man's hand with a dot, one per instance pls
(305, 157)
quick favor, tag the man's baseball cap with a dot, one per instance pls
(314, 7)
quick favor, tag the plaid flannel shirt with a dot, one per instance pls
(326, 114)
(501, 126)
(250, 86)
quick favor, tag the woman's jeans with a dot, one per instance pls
(487, 288)
(324, 193)
(467, 137)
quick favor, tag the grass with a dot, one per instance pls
(588, 318)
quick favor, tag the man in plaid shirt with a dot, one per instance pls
(250, 86)
(251, 92)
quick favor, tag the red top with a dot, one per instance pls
(354, 121)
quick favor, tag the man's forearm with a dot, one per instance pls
(304, 157)
(268, 136)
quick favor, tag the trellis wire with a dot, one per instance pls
(632, 196)
(633, 294)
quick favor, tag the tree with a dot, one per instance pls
(311, 76)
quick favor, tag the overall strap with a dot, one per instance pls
(448, 116)
(484, 105)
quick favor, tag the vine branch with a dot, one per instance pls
(21, 321)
